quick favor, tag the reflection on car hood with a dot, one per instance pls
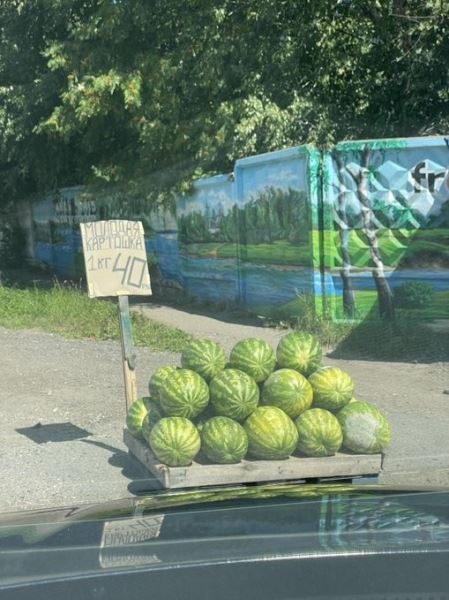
(222, 525)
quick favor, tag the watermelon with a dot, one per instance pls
(271, 433)
(332, 388)
(205, 357)
(223, 440)
(254, 357)
(157, 380)
(136, 414)
(299, 351)
(151, 418)
(319, 433)
(365, 428)
(289, 390)
(184, 394)
(175, 441)
(234, 394)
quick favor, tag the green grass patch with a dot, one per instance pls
(405, 338)
(69, 312)
(408, 337)
(367, 304)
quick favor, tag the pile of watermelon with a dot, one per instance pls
(256, 403)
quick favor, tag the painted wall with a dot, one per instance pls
(386, 220)
(358, 230)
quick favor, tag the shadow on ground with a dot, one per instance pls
(405, 339)
(54, 432)
(141, 482)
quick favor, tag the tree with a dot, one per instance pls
(108, 91)
(349, 304)
(384, 293)
(31, 159)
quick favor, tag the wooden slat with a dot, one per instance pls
(251, 471)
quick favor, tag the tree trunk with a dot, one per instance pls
(384, 294)
(349, 306)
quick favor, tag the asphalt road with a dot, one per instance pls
(62, 407)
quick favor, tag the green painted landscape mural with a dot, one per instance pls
(358, 231)
(386, 215)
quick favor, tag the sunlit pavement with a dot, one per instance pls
(63, 411)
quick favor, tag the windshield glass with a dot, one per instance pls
(224, 248)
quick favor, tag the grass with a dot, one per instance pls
(366, 303)
(69, 312)
(403, 339)
(407, 338)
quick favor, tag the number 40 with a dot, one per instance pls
(133, 270)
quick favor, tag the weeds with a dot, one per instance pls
(65, 310)
(405, 338)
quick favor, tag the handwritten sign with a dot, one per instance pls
(115, 258)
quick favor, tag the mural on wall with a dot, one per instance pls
(57, 239)
(207, 232)
(247, 237)
(275, 200)
(360, 230)
(386, 219)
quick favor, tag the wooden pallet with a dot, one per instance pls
(340, 466)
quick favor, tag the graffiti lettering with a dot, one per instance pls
(69, 212)
(421, 173)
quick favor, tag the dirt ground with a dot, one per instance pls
(62, 408)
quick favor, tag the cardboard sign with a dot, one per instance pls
(128, 542)
(115, 258)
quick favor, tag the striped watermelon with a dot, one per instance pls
(319, 433)
(184, 394)
(272, 435)
(299, 351)
(157, 380)
(254, 357)
(205, 357)
(289, 390)
(365, 428)
(234, 394)
(223, 440)
(175, 441)
(332, 388)
(151, 418)
(136, 414)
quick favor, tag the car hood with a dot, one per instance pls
(220, 526)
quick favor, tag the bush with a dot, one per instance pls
(12, 245)
(413, 294)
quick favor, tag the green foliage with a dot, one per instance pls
(12, 243)
(413, 294)
(113, 91)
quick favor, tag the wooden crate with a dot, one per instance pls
(344, 466)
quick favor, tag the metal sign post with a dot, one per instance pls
(128, 354)
(116, 265)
